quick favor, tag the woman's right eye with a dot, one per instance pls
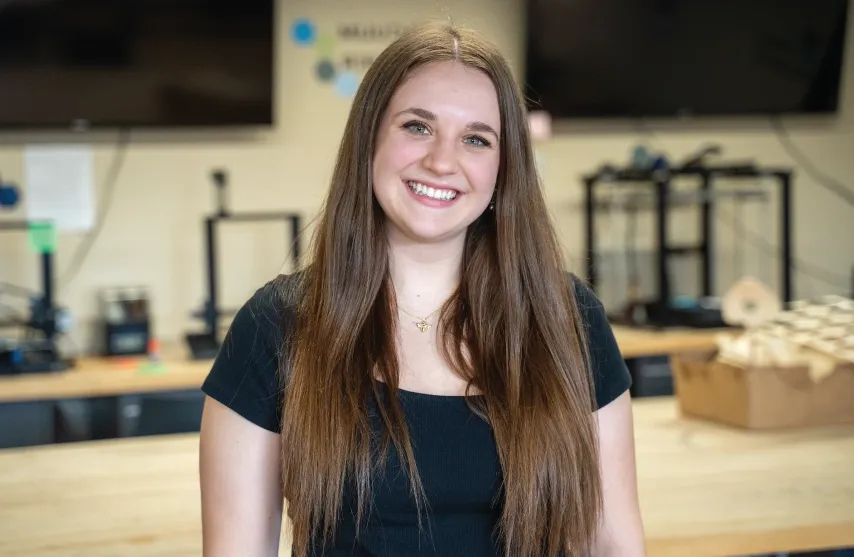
(416, 127)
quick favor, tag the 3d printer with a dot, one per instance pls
(36, 350)
(206, 344)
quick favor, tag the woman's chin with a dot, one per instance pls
(425, 234)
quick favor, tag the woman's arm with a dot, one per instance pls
(239, 467)
(621, 533)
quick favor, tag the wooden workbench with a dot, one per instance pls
(93, 377)
(705, 490)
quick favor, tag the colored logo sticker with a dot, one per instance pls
(304, 34)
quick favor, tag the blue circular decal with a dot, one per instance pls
(303, 32)
(346, 84)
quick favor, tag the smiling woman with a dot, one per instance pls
(433, 382)
(439, 138)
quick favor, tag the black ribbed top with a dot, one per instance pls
(455, 450)
(456, 457)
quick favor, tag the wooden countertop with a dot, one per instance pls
(109, 377)
(640, 343)
(93, 377)
(706, 491)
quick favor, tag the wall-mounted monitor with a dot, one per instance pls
(144, 63)
(668, 58)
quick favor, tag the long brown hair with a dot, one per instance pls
(511, 329)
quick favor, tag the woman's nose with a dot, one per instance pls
(441, 157)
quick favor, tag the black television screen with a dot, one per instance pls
(114, 63)
(662, 58)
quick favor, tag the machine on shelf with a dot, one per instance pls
(206, 343)
(125, 321)
(33, 348)
(665, 309)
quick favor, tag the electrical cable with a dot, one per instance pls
(738, 250)
(632, 244)
(8, 309)
(766, 223)
(108, 189)
(828, 182)
(10, 315)
(810, 270)
(612, 210)
(22, 291)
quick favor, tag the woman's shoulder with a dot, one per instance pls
(589, 306)
(611, 376)
(583, 293)
(267, 315)
(246, 374)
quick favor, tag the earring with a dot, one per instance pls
(492, 203)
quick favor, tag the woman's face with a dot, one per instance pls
(437, 152)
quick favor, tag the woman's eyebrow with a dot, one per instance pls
(430, 116)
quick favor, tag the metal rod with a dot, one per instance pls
(662, 185)
(296, 227)
(590, 225)
(47, 290)
(786, 233)
(707, 235)
(211, 317)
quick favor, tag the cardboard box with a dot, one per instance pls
(761, 397)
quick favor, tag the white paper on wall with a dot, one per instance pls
(58, 186)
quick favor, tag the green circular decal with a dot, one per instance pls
(324, 45)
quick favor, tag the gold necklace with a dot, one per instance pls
(422, 324)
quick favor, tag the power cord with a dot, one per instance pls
(828, 182)
(8, 309)
(807, 269)
(85, 246)
(10, 315)
(631, 247)
(738, 250)
(23, 291)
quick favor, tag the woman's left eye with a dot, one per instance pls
(478, 141)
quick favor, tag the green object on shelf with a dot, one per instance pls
(152, 368)
(42, 237)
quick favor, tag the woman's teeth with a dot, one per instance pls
(421, 189)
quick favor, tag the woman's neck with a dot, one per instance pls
(424, 275)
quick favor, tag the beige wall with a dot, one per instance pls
(153, 232)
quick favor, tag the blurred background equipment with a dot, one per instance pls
(126, 321)
(205, 344)
(665, 308)
(34, 347)
(9, 195)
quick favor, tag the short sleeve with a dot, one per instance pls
(245, 373)
(611, 376)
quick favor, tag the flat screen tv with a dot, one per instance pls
(666, 58)
(146, 63)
